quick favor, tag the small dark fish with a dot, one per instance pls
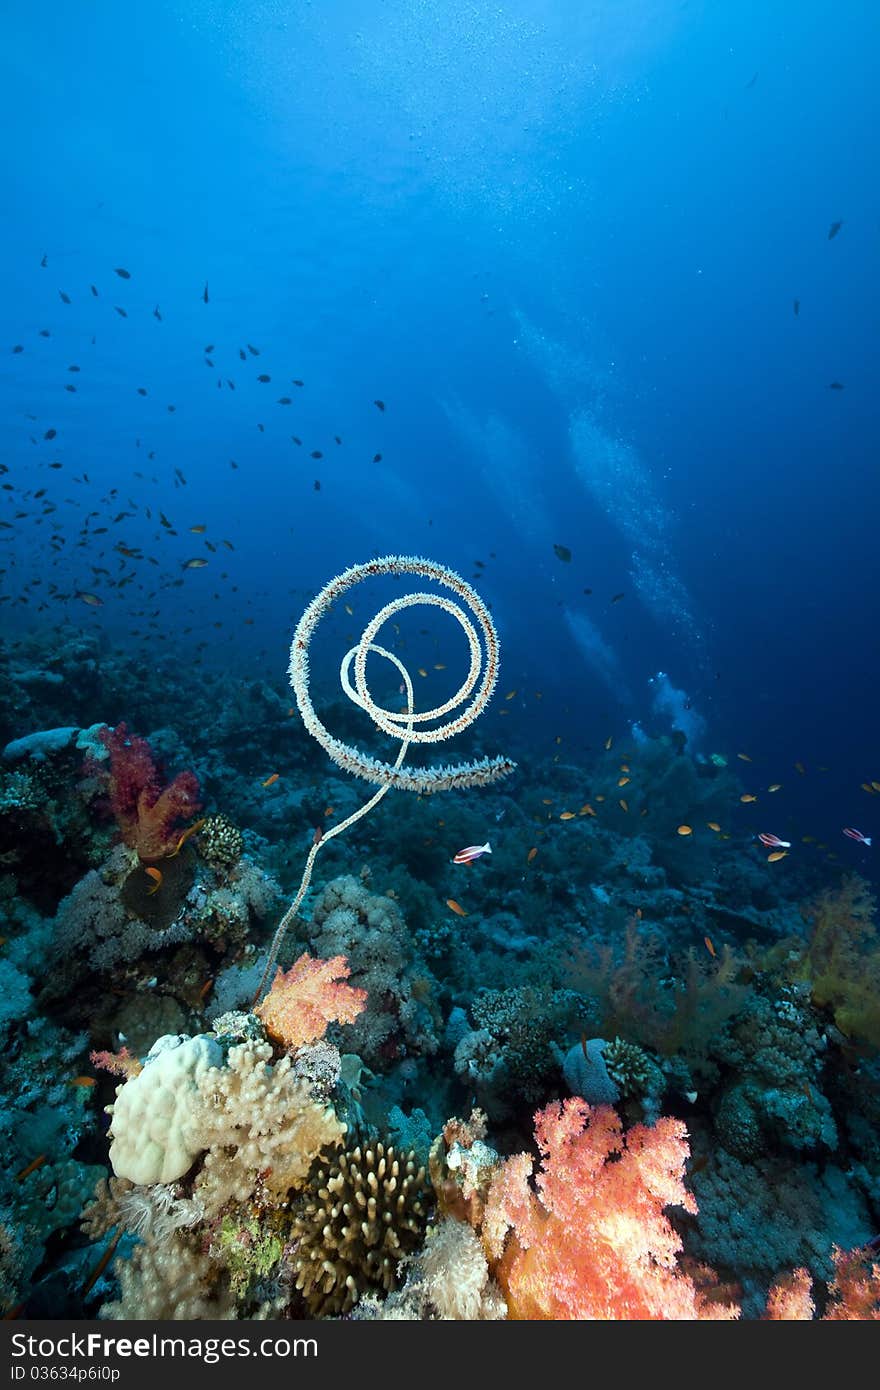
(796, 306)
(43, 262)
(284, 400)
(142, 390)
(562, 552)
(379, 404)
(50, 434)
(377, 458)
(264, 376)
(94, 290)
(262, 429)
(70, 387)
(178, 474)
(232, 463)
(230, 384)
(156, 314)
(205, 292)
(834, 229)
(44, 333)
(750, 84)
(171, 409)
(316, 454)
(255, 352)
(615, 598)
(73, 367)
(835, 386)
(588, 591)
(65, 298)
(19, 347)
(338, 440)
(242, 354)
(197, 564)
(209, 348)
(317, 485)
(296, 439)
(123, 274)
(123, 313)
(296, 382)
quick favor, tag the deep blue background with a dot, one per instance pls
(504, 220)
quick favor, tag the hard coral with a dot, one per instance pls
(367, 1209)
(146, 813)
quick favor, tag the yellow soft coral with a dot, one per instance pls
(841, 961)
(302, 1002)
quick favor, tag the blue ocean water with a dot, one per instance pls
(579, 301)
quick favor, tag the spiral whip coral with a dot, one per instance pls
(474, 694)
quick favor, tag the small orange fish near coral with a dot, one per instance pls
(776, 856)
(622, 781)
(747, 796)
(709, 947)
(422, 671)
(622, 804)
(586, 810)
(269, 780)
(567, 815)
(713, 825)
(685, 830)
(32, 1167)
(455, 907)
(82, 1081)
(530, 856)
(156, 876)
(190, 830)
(510, 694)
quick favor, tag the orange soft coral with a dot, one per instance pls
(595, 1242)
(301, 1003)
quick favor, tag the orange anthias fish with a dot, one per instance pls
(156, 876)
(191, 830)
(269, 780)
(709, 947)
(82, 1081)
(455, 907)
(31, 1168)
(531, 854)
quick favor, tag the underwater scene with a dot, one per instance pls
(439, 774)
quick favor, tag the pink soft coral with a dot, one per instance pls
(302, 1002)
(146, 813)
(595, 1242)
(853, 1294)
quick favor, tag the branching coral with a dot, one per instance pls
(367, 1209)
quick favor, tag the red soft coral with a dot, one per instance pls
(595, 1243)
(146, 813)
